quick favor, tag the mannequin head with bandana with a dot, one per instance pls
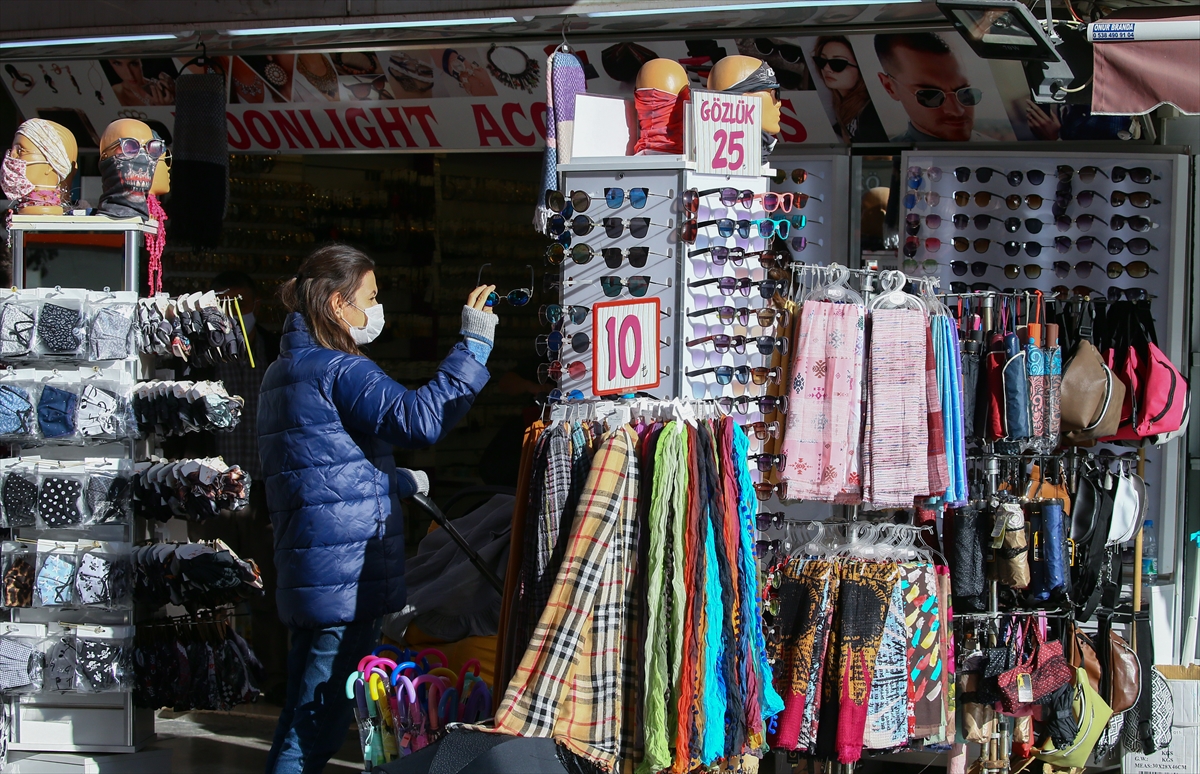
(39, 167)
(125, 181)
(662, 91)
(746, 75)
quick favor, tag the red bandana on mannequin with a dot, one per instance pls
(660, 120)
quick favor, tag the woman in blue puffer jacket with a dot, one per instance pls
(328, 419)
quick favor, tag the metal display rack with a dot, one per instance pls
(76, 722)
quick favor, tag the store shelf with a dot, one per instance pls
(60, 223)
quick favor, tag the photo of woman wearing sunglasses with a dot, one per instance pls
(855, 117)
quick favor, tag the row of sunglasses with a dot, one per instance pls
(1139, 223)
(1064, 173)
(582, 254)
(1062, 269)
(1139, 199)
(580, 201)
(1012, 247)
(555, 314)
(1060, 292)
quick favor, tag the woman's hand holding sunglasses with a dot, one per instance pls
(479, 297)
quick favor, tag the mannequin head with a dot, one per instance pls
(732, 70)
(126, 177)
(662, 74)
(47, 151)
(662, 90)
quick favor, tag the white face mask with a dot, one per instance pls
(374, 326)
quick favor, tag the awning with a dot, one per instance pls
(1133, 77)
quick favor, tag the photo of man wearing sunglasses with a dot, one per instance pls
(926, 76)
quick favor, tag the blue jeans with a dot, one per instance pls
(317, 714)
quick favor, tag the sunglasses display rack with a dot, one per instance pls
(820, 221)
(623, 247)
(1067, 225)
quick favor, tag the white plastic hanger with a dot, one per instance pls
(893, 295)
(835, 288)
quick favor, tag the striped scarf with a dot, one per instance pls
(568, 686)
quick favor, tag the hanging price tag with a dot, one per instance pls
(624, 346)
(728, 131)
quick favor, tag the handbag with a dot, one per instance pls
(1121, 670)
(1158, 392)
(1016, 684)
(1092, 714)
(1091, 396)
(1080, 653)
(1050, 670)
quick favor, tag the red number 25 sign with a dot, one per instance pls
(728, 129)
(624, 346)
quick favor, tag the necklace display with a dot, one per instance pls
(524, 80)
(357, 63)
(326, 82)
(275, 74)
(249, 91)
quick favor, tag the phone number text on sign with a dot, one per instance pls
(728, 133)
(625, 346)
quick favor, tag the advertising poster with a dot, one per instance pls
(833, 89)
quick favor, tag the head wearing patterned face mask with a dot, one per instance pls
(126, 182)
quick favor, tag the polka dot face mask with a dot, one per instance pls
(59, 502)
(18, 495)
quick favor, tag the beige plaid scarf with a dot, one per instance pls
(568, 685)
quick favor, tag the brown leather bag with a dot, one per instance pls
(1126, 685)
(1079, 651)
(1092, 396)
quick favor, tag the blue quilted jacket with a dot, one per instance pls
(327, 422)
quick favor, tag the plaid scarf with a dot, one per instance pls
(568, 685)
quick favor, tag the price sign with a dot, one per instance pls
(728, 133)
(624, 346)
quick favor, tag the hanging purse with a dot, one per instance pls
(1092, 715)
(1016, 685)
(1091, 396)
(1012, 565)
(1081, 654)
(1050, 670)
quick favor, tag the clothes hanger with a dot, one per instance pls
(893, 295)
(835, 288)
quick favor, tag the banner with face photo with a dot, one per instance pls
(833, 89)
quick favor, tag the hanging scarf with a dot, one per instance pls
(762, 701)
(821, 434)
(896, 438)
(660, 120)
(565, 78)
(568, 686)
(866, 591)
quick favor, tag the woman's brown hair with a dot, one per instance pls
(330, 269)
(848, 106)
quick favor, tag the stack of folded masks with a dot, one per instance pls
(104, 581)
(178, 408)
(110, 333)
(100, 665)
(17, 324)
(17, 415)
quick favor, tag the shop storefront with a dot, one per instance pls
(859, 365)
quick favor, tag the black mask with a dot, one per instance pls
(762, 79)
(126, 183)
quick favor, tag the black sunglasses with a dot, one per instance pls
(837, 65)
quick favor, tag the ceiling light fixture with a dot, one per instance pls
(309, 28)
(10, 44)
(734, 7)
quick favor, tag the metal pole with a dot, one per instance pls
(133, 241)
(18, 258)
(1137, 551)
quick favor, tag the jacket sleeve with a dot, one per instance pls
(369, 401)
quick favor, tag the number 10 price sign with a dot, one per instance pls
(624, 346)
(728, 133)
